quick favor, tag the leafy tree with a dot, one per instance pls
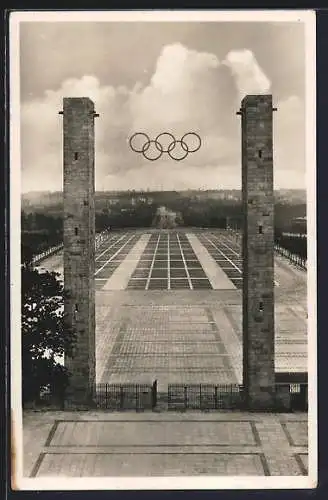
(44, 336)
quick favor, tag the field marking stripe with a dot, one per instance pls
(185, 264)
(168, 263)
(236, 253)
(111, 246)
(152, 262)
(216, 276)
(114, 255)
(120, 278)
(222, 253)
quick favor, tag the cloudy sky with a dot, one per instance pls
(156, 77)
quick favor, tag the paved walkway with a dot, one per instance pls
(82, 444)
(54, 263)
(217, 277)
(231, 341)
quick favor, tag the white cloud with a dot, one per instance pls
(250, 78)
(184, 94)
(289, 142)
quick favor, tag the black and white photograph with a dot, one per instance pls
(163, 250)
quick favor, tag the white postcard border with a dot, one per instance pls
(157, 483)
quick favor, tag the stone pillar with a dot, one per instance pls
(258, 252)
(79, 244)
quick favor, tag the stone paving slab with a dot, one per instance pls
(164, 298)
(32, 418)
(153, 433)
(303, 462)
(114, 444)
(151, 464)
(231, 341)
(290, 335)
(166, 348)
(296, 433)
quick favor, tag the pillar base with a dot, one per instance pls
(79, 400)
(267, 399)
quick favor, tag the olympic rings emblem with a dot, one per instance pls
(152, 149)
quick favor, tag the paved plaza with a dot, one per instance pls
(169, 307)
(148, 444)
(165, 337)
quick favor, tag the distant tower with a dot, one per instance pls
(258, 252)
(79, 243)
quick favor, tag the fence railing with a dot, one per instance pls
(46, 253)
(293, 258)
(292, 396)
(99, 240)
(204, 396)
(125, 396)
(295, 235)
(289, 396)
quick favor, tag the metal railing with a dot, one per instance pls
(294, 259)
(204, 396)
(99, 240)
(46, 253)
(125, 396)
(288, 396)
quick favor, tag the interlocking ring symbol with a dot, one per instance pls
(165, 142)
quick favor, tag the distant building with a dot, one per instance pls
(165, 218)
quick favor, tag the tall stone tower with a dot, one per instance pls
(258, 252)
(79, 243)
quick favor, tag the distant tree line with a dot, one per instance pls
(209, 213)
(284, 215)
(138, 216)
(40, 231)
